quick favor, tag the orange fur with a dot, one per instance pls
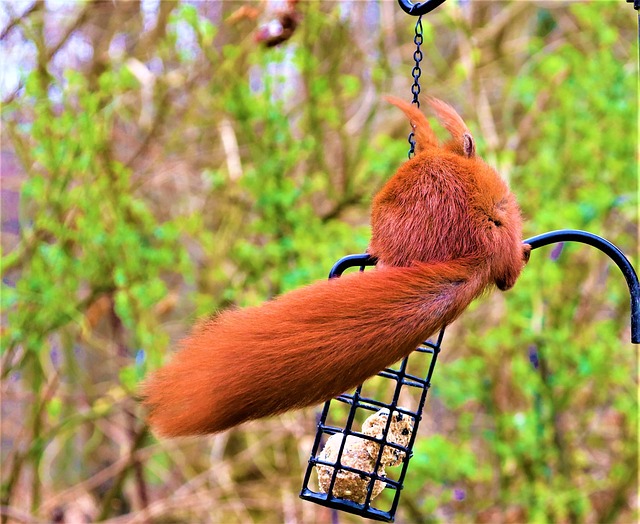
(444, 229)
(448, 117)
(423, 134)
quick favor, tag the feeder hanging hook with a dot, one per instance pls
(420, 8)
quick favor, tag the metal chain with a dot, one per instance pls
(416, 72)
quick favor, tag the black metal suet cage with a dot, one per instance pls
(341, 416)
(359, 404)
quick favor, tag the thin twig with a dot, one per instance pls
(101, 477)
(81, 19)
(18, 19)
(8, 512)
(75, 25)
(137, 437)
(19, 459)
(116, 487)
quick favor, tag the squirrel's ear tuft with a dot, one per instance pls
(462, 142)
(468, 145)
(422, 132)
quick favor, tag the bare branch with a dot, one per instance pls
(17, 20)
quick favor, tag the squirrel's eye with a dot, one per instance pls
(495, 221)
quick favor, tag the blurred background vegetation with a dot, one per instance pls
(163, 160)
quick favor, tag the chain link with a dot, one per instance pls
(416, 72)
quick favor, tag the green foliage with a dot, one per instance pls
(200, 170)
(91, 235)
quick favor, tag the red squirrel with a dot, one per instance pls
(445, 228)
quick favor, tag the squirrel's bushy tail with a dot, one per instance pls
(304, 347)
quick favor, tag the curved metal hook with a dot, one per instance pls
(574, 235)
(421, 8)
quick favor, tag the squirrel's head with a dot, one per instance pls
(499, 225)
(459, 205)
